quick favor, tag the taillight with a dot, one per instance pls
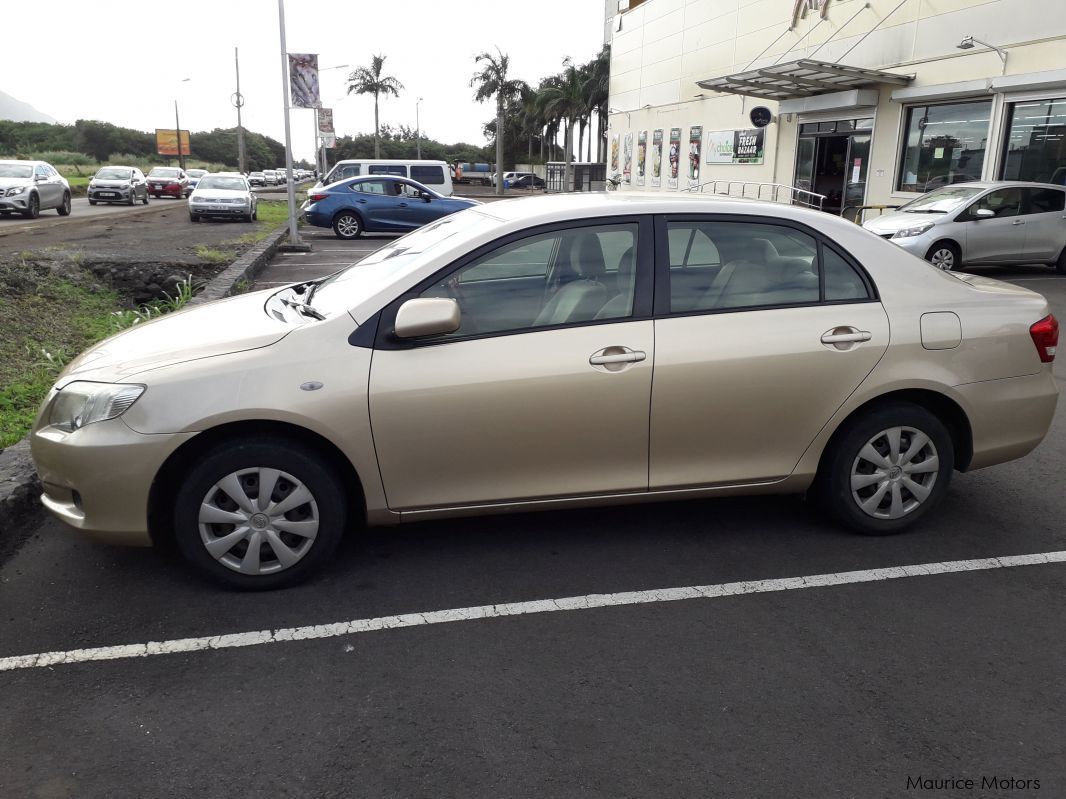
(1045, 335)
(315, 198)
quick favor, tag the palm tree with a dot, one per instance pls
(597, 88)
(492, 80)
(566, 101)
(369, 80)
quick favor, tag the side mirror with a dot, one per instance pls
(40, 178)
(984, 213)
(426, 196)
(427, 316)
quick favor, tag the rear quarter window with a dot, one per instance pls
(429, 175)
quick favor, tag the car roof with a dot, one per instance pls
(225, 174)
(1000, 184)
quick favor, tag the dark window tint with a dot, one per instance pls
(429, 175)
(1034, 143)
(387, 169)
(558, 278)
(727, 265)
(1044, 201)
(842, 282)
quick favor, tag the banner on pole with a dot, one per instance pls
(329, 140)
(325, 120)
(303, 80)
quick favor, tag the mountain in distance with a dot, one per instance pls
(18, 111)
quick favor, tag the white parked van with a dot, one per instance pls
(434, 174)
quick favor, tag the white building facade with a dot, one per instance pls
(866, 101)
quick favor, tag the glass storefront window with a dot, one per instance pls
(1036, 142)
(944, 144)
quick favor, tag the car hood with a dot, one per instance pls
(7, 183)
(164, 179)
(891, 223)
(110, 183)
(218, 328)
(210, 194)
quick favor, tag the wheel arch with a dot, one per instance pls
(945, 240)
(349, 209)
(164, 486)
(943, 407)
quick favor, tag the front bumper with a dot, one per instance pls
(113, 195)
(97, 479)
(172, 190)
(211, 209)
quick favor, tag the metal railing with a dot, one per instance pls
(773, 192)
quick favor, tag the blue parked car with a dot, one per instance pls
(378, 204)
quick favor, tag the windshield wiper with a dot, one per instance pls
(304, 308)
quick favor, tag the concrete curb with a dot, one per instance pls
(20, 486)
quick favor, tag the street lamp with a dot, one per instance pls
(177, 129)
(238, 102)
(969, 41)
(418, 131)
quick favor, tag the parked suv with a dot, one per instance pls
(29, 187)
(1001, 222)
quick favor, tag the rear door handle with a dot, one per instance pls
(854, 336)
(1018, 222)
(614, 358)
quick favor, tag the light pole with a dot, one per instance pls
(418, 130)
(294, 233)
(238, 101)
(177, 129)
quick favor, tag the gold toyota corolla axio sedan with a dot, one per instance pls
(546, 353)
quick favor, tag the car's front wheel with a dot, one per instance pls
(33, 207)
(347, 225)
(194, 217)
(887, 469)
(259, 515)
(944, 255)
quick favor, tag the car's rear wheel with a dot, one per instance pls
(259, 515)
(33, 209)
(1060, 265)
(887, 469)
(63, 209)
(348, 225)
(144, 199)
(944, 255)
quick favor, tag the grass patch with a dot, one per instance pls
(213, 255)
(272, 213)
(47, 323)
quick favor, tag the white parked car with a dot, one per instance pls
(223, 194)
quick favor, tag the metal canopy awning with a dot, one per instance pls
(801, 78)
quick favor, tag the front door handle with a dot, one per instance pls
(614, 359)
(1018, 222)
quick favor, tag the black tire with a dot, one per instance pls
(144, 200)
(64, 207)
(133, 197)
(833, 486)
(1060, 265)
(92, 202)
(939, 253)
(347, 225)
(287, 456)
(194, 217)
(34, 209)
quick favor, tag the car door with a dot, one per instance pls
(46, 187)
(542, 392)
(377, 202)
(754, 349)
(1045, 223)
(1001, 238)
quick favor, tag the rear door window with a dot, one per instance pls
(1045, 201)
(428, 175)
(387, 169)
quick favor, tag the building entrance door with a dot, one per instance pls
(832, 159)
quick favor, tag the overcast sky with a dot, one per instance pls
(123, 61)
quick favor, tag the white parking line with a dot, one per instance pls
(587, 602)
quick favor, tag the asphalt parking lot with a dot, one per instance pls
(607, 683)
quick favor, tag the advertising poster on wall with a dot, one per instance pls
(627, 157)
(642, 156)
(657, 158)
(695, 140)
(614, 155)
(675, 157)
(735, 146)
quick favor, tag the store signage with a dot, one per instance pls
(736, 146)
(761, 116)
(801, 7)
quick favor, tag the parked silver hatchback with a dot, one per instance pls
(996, 223)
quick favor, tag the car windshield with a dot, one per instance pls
(114, 173)
(217, 182)
(347, 288)
(16, 171)
(163, 172)
(196, 173)
(257, 174)
(942, 201)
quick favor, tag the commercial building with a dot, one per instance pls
(866, 102)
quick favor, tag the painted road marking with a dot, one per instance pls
(716, 591)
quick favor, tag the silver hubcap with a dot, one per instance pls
(258, 521)
(894, 472)
(943, 259)
(348, 226)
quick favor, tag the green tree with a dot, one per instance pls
(492, 81)
(565, 101)
(597, 88)
(369, 80)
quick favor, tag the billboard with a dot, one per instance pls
(303, 80)
(166, 143)
(746, 146)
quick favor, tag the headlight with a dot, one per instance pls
(15, 190)
(917, 230)
(81, 403)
